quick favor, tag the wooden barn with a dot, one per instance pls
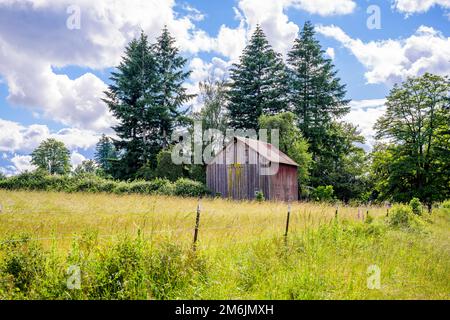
(246, 166)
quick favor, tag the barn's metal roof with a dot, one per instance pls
(267, 150)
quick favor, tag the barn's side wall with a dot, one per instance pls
(235, 173)
(284, 184)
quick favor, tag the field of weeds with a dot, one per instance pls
(100, 246)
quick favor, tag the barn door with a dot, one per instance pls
(236, 181)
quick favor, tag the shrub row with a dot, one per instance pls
(89, 183)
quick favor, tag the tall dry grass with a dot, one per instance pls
(139, 247)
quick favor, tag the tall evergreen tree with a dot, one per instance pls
(316, 95)
(130, 97)
(105, 154)
(258, 84)
(171, 94)
(145, 96)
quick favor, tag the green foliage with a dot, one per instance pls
(213, 97)
(22, 264)
(416, 206)
(416, 162)
(317, 98)
(126, 269)
(291, 142)
(260, 196)
(166, 168)
(323, 193)
(105, 154)
(40, 180)
(53, 156)
(446, 204)
(257, 84)
(188, 188)
(402, 216)
(145, 96)
(197, 172)
(86, 168)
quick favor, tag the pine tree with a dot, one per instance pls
(171, 94)
(145, 96)
(315, 93)
(105, 153)
(130, 97)
(258, 84)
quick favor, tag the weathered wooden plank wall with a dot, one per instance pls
(236, 173)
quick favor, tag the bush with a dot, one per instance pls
(39, 180)
(416, 206)
(166, 168)
(188, 188)
(22, 264)
(446, 204)
(260, 196)
(402, 216)
(323, 193)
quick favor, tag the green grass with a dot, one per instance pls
(139, 247)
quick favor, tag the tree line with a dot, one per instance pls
(302, 97)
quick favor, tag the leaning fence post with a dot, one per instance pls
(197, 224)
(287, 222)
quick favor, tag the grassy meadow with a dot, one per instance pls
(140, 247)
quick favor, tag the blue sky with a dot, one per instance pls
(56, 56)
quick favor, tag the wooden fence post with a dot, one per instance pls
(336, 213)
(197, 224)
(287, 222)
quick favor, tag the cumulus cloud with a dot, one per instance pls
(30, 50)
(324, 7)
(390, 61)
(20, 164)
(15, 137)
(364, 114)
(418, 6)
(330, 53)
(76, 159)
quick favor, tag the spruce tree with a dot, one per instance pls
(129, 97)
(258, 84)
(316, 95)
(145, 96)
(171, 93)
(105, 153)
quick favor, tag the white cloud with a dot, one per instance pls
(21, 163)
(330, 52)
(30, 50)
(364, 114)
(216, 70)
(325, 7)
(390, 61)
(418, 6)
(76, 159)
(15, 137)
